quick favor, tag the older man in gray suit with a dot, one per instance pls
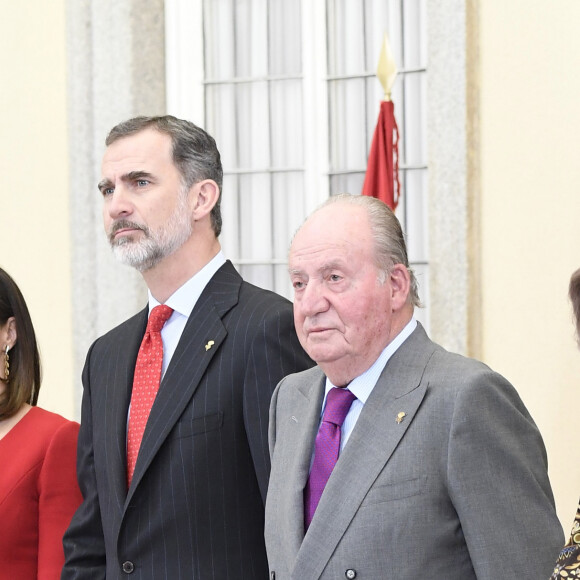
(442, 471)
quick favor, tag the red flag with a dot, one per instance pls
(382, 177)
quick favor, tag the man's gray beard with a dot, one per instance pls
(146, 253)
(142, 255)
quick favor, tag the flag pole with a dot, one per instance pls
(382, 175)
(386, 68)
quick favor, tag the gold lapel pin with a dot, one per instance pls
(209, 344)
(401, 416)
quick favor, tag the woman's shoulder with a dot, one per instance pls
(48, 422)
(41, 433)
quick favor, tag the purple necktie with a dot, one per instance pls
(326, 448)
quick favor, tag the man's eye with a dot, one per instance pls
(298, 285)
(107, 191)
(142, 182)
(335, 278)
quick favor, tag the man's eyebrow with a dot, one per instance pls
(326, 267)
(104, 184)
(134, 175)
(131, 176)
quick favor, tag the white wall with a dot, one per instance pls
(530, 205)
(34, 208)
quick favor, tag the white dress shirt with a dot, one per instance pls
(363, 385)
(183, 301)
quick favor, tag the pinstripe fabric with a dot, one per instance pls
(195, 507)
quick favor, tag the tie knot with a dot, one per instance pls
(338, 402)
(158, 317)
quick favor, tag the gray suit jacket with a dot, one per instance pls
(195, 507)
(457, 490)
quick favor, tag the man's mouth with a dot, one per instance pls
(124, 228)
(318, 330)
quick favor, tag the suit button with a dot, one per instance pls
(128, 567)
(350, 574)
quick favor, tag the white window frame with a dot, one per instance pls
(185, 90)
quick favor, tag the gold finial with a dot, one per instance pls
(387, 68)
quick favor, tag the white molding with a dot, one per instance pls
(184, 66)
(315, 104)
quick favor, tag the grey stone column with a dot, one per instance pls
(116, 70)
(453, 146)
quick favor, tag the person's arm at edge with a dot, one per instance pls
(84, 544)
(499, 483)
(275, 353)
(59, 497)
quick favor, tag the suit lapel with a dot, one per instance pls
(375, 437)
(188, 364)
(304, 418)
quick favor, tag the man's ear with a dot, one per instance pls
(204, 195)
(400, 285)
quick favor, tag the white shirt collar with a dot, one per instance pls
(184, 298)
(363, 385)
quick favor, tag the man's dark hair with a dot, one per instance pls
(195, 152)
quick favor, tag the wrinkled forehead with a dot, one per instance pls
(148, 145)
(341, 227)
(319, 251)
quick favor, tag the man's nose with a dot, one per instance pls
(314, 300)
(118, 203)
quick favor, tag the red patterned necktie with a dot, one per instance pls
(145, 383)
(326, 448)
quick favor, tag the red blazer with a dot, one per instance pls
(38, 495)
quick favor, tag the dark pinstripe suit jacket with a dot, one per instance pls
(195, 508)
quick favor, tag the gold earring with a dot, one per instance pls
(6, 365)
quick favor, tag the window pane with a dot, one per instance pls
(286, 119)
(288, 210)
(414, 34)
(382, 17)
(285, 37)
(282, 283)
(251, 38)
(255, 212)
(252, 115)
(346, 183)
(219, 48)
(230, 206)
(415, 123)
(416, 229)
(221, 121)
(347, 125)
(258, 274)
(345, 29)
(422, 276)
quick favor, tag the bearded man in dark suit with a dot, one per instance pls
(192, 503)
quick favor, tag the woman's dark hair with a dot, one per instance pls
(24, 382)
(574, 293)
